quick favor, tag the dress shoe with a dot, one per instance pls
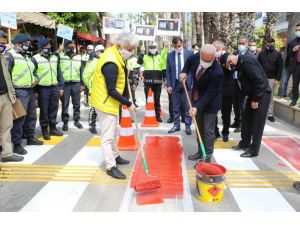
(271, 119)
(93, 130)
(77, 124)
(65, 127)
(293, 103)
(239, 147)
(188, 130)
(183, 120)
(234, 125)
(18, 149)
(195, 157)
(174, 129)
(170, 120)
(225, 138)
(159, 119)
(55, 132)
(121, 161)
(13, 158)
(45, 133)
(116, 173)
(248, 154)
(34, 141)
(237, 130)
(218, 134)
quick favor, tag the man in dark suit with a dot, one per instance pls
(175, 63)
(206, 94)
(255, 85)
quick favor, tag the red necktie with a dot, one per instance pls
(196, 95)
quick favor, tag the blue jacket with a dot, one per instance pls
(209, 86)
(171, 69)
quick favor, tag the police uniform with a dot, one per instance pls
(50, 83)
(255, 85)
(71, 69)
(133, 67)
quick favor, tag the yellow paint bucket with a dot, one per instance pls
(210, 182)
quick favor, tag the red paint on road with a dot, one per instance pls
(164, 156)
(287, 148)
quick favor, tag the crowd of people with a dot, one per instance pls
(216, 79)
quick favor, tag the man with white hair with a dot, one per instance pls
(206, 95)
(109, 85)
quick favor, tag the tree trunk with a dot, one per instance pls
(227, 28)
(197, 27)
(272, 18)
(206, 24)
(185, 30)
(214, 27)
(246, 22)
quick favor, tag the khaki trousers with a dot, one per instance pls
(6, 123)
(109, 135)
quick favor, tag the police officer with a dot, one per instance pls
(134, 69)
(21, 69)
(49, 88)
(255, 85)
(88, 75)
(71, 67)
(152, 75)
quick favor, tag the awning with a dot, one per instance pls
(89, 37)
(36, 18)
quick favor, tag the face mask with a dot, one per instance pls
(218, 54)
(152, 51)
(195, 51)
(47, 50)
(178, 50)
(25, 47)
(242, 48)
(2, 48)
(70, 50)
(232, 67)
(270, 48)
(204, 64)
(252, 48)
(125, 54)
(297, 33)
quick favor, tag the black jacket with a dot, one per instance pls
(272, 63)
(228, 81)
(209, 86)
(254, 81)
(291, 56)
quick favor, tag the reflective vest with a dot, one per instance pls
(22, 71)
(46, 70)
(132, 63)
(164, 54)
(70, 67)
(152, 62)
(99, 96)
(89, 72)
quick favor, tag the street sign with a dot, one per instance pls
(65, 32)
(146, 33)
(168, 27)
(113, 25)
(8, 20)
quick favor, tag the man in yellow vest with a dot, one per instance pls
(109, 84)
(21, 69)
(49, 89)
(71, 67)
(88, 74)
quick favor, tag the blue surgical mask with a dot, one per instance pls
(2, 48)
(25, 47)
(70, 50)
(47, 50)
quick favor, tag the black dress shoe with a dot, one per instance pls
(77, 124)
(159, 119)
(225, 138)
(116, 173)
(188, 130)
(234, 125)
(218, 135)
(13, 158)
(170, 120)
(65, 127)
(93, 130)
(293, 103)
(237, 130)
(248, 154)
(55, 132)
(121, 161)
(195, 156)
(34, 141)
(18, 149)
(271, 119)
(239, 147)
(45, 133)
(174, 129)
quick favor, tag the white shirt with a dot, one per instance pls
(176, 62)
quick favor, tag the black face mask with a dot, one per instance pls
(70, 51)
(233, 67)
(2, 48)
(270, 48)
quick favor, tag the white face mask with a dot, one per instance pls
(218, 54)
(297, 33)
(196, 51)
(204, 64)
(242, 48)
(252, 48)
(152, 51)
(125, 54)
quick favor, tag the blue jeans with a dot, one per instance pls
(285, 80)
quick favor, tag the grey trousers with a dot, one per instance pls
(206, 123)
(271, 106)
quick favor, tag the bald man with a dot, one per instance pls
(206, 95)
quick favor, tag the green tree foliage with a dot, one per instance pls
(258, 36)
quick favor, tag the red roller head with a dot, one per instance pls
(147, 186)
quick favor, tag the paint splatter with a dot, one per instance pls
(287, 148)
(164, 156)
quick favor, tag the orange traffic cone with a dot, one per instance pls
(150, 117)
(126, 138)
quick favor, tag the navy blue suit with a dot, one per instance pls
(178, 94)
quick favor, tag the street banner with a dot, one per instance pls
(8, 20)
(168, 27)
(145, 33)
(64, 32)
(113, 25)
